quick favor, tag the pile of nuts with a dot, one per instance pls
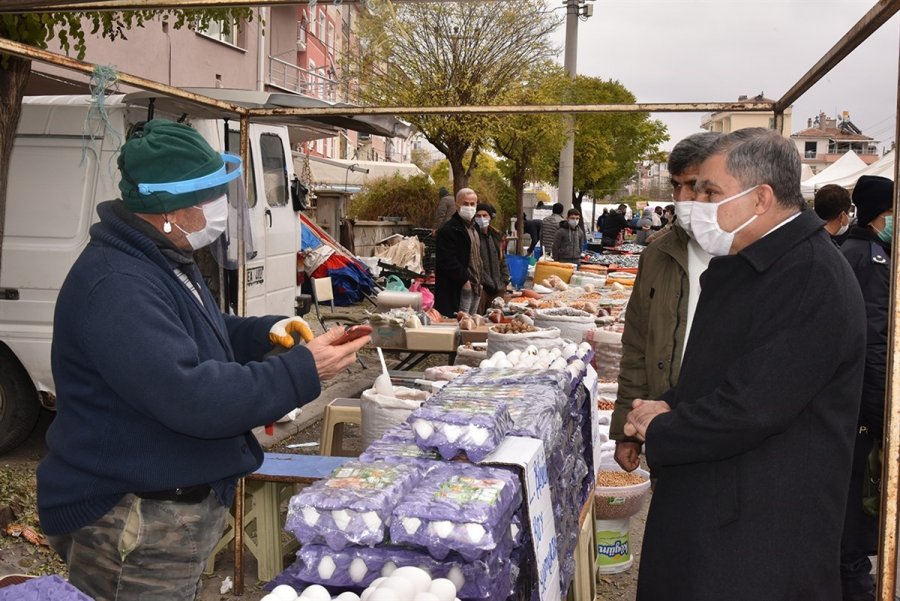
(514, 327)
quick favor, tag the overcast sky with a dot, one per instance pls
(716, 50)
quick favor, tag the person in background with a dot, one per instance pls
(832, 204)
(549, 226)
(444, 209)
(643, 227)
(759, 407)
(532, 227)
(569, 239)
(656, 218)
(663, 300)
(157, 390)
(868, 250)
(601, 220)
(668, 220)
(614, 226)
(494, 271)
(457, 284)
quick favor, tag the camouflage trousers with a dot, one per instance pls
(143, 550)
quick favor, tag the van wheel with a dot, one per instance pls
(20, 407)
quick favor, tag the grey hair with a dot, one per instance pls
(463, 192)
(692, 151)
(756, 156)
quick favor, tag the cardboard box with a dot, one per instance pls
(478, 334)
(432, 338)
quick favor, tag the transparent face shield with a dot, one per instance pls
(226, 247)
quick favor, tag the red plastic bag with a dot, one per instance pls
(427, 295)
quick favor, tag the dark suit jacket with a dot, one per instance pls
(453, 250)
(753, 461)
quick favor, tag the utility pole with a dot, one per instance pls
(575, 9)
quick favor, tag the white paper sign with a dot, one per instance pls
(528, 453)
(590, 382)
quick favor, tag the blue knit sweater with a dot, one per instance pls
(154, 390)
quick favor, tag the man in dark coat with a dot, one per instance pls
(752, 448)
(457, 273)
(868, 250)
(613, 226)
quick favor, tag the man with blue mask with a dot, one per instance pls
(752, 448)
(157, 390)
(868, 250)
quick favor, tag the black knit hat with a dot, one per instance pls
(165, 151)
(872, 195)
(486, 207)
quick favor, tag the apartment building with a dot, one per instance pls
(729, 121)
(827, 139)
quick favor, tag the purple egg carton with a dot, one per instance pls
(44, 588)
(398, 445)
(356, 568)
(450, 425)
(352, 506)
(515, 375)
(458, 507)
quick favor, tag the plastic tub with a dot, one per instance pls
(618, 502)
(518, 270)
(613, 545)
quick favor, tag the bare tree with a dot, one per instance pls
(466, 53)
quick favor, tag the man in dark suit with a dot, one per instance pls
(752, 448)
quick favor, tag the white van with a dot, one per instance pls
(58, 175)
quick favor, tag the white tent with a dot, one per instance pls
(848, 164)
(883, 167)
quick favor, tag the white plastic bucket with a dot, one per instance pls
(613, 547)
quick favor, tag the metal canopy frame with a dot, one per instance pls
(877, 16)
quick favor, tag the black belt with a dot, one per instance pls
(187, 494)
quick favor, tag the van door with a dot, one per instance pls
(271, 275)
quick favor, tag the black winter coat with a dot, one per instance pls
(870, 260)
(753, 461)
(453, 249)
(615, 223)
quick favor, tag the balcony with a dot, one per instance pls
(289, 76)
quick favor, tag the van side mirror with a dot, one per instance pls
(299, 195)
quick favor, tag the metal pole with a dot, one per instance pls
(242, 244)
(567, 155)
(890, 477)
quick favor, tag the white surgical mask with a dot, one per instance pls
(483, 222)
(216, 214)
(843, 229)
(466, 212)
(705, 225)
(573, 223)
(683, 212)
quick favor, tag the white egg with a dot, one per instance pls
(326, 568)
(341, 519)
(455, 576)
(403, 588)
(478, 435)
(372, 521)
(531, 350)
(310, 515)
(364, 596)
(284, 592)
(451, 432)
(315, 592)
(357, 569)
(383, 594)
(348, 596)
(388, 568)
(270, 597)
(411, 525)
(377, 582)
(443, 589)
(476, 532)
(514, 355)
(423, 429)
(442, 528)
(504, 363)
(426, 596)
(569, 349)
(419, 577)
(558, 363)
(498, 355)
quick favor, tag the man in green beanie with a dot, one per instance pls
(157, 390)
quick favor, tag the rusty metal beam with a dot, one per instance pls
(659, 107)
(890, 477)
(30, 52)
(28, 6)
(877, 16)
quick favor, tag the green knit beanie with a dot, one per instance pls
(165, 151)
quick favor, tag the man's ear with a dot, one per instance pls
(765, 198)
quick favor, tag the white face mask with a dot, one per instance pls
(843, 229)
(483, 222)
(573, 223)
(466, 212)
(683, 212)
(216, 214)
(705, 225)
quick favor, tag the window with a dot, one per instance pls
(311, 90)
(809, 150)
(320, 29)
(329, 41)
(321, 74)
(234, 147)
(274, 170)
(301, 32)
(219, 31)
